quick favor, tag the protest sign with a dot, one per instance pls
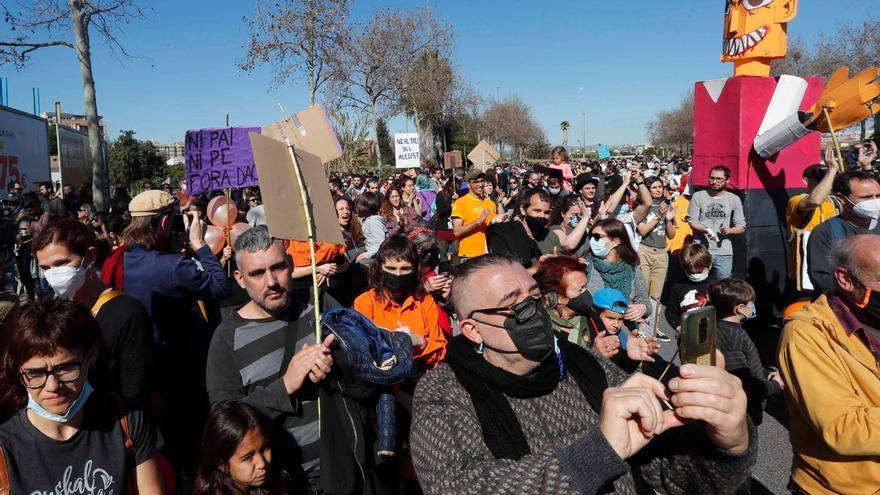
(603, 151)
(483, 155)
(219, 158)
(308, 130)
(74, 163)
(452, 159)
(280, 188)
(406, 150)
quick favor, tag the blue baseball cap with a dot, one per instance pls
(610, 299)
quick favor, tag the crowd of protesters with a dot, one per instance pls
(483, 331)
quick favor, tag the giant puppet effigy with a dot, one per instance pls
(767, 130)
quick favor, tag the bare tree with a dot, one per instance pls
(428, 89)
(45, 23)
(371, 66)
(293, 35)
(511, 122)
(674, 128)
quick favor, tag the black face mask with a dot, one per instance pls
(871, 305)
(538, 225)
(581, 304)
(533, 338)
(396, 282)
(430, 259)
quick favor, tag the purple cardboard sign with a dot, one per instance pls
(219, 158)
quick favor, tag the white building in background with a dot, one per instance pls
(173, 152)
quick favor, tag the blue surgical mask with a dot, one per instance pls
(698, 277)
(598, 247)
(554, 190)
(59, 418)
(753, 315)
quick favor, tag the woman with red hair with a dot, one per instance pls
(574, 314)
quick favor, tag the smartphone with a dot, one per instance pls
(444, 267)
(698, 332)
(177, 224)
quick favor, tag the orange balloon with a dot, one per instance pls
(215, 238)
(222, 212)
(236, 230)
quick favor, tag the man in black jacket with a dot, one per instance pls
(265, 354)
(528, 238)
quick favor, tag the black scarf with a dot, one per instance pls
(487, 386)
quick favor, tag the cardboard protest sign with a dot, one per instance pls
(74, 160)
(308, 130)
(280, 188)
(548, 172)
(406, 150)
(219, 158)
(483, 155)
(452, 159)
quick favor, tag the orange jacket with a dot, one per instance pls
(325, 252)
(420, 315)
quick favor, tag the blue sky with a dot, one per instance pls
(632, 58)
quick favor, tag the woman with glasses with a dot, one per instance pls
(65, 434)
(509, 201)
(615, 264)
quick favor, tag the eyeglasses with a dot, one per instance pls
(64, 373)
(598, 237)
(525, 310)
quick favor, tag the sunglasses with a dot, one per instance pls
(598, 237)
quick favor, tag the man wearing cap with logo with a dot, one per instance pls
(471, 214)
(170, 286)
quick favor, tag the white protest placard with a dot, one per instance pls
(406, 150)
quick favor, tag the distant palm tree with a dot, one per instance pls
(564, 125)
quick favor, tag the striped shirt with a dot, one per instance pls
(247, 361)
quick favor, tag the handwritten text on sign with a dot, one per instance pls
(406, 150)
(219, 159)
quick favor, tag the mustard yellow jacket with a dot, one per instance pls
(832, 388)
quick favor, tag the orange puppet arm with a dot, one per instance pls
(849, 100)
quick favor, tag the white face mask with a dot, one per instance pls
(698, 277)
(869, 210)
(67, 280)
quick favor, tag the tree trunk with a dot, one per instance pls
(430, 139)
(100, 186)
(376, 135)
(312, 88)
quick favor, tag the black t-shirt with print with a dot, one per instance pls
(93, 461)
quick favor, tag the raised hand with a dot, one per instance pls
(710, 394)
(631, 414)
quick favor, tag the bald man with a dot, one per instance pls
(829, 359)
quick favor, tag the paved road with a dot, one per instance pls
(771, 472)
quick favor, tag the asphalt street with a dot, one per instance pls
(772, 470)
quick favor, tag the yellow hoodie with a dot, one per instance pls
(832, 388)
